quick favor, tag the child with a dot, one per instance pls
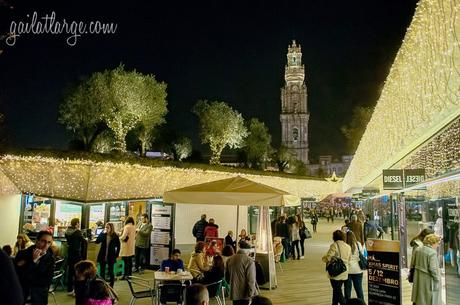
(98, 293)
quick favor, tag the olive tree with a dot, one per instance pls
(220, 126)
(257, 144)
(183, 148)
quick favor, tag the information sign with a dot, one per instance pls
(384, 276)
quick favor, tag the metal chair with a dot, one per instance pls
(59, 267)
(146, 290)
(217, 290)
(172, 291)
(57, 277)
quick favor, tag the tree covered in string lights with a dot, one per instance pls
(116, 99)
(182, 148)
(220, 126)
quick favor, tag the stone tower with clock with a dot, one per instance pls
(294, 113)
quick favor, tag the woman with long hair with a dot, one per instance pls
(355, 274)
(216, 273)
(339, 248)
(22, 242)
(109, 251)
(127, 249)
(198, 263)
(85, 272)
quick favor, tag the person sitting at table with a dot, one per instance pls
(174, 262)
(198, 262)
(216, 273)
(212, 249)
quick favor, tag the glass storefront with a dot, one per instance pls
(96, 218)
(65, 212)
(36, 214)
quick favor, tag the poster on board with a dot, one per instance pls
(384, 274)
(161, 236)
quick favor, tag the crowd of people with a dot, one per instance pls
(30, 267)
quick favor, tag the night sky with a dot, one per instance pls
(234, 51)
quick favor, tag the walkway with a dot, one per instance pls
(302, 281)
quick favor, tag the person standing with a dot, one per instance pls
(109, 251)
(294, 237)
(338, 248)
(355, 273)
(127, 239)
(35, 267)
(211, 229)
(314, 220)
(229, 240)
(198, 228)
(303, 235)
(426, 288)
(283, 232)
(143, 233)
(75, 248)
(356, 227)
(241, 275)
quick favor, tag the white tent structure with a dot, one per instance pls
(240, 191)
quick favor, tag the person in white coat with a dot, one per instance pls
(338, 248)
(355, 273)
(127, 249)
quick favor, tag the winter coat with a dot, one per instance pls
(345, 254)
(198, 264)
(198, 229)
(241, 275)
(356, 227)
(211, 230)
(113, 248)
(31, 274)
(127, 247)
(75, 245)
(143, 235)
(426, 288)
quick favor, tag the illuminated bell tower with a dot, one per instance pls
(294, 114)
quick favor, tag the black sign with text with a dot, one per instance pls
(413, 176)
(384, 276)
(393, 179)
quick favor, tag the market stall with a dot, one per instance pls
(240, 191)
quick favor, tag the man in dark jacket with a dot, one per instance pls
(143, 232)
(282, 231)
(198, 228)
(75, 248)
(35, 267)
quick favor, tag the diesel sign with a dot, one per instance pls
(393, 179)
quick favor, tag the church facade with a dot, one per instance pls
(294, 112)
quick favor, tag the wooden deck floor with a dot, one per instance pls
(301, 282)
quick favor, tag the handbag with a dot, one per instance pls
(307, 233)
(362, 260)
(336, 265)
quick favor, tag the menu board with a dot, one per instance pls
(384, 275)
(161, 236)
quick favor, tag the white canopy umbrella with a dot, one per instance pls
(239, 191)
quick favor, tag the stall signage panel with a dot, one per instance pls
(413, 176)
(393, 179)
(384, 276)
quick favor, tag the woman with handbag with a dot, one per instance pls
(337, 260)
(127, 249)
(355, 271)
(109, 251)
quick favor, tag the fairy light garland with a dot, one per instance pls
(421, 93)
(87, 181)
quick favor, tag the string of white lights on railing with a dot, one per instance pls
(420, 96)
(87, 181)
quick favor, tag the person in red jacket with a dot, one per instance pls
(211, 229)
